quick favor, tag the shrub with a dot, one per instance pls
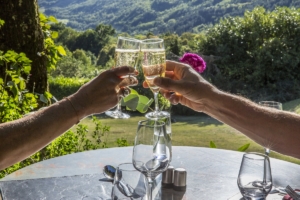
(61, 87)
(258, 54)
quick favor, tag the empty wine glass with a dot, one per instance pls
(153, 65)
(129, 183)
(255, 178)
(126, 54)
(270, 104)
(152, 150)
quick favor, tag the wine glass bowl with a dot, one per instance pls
(153, 65)
(152, 149)
(129, 183)
(126, 54)
(255, 178)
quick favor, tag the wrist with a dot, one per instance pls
(78, 106)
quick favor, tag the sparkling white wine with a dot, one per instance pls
(154, 65)
(126, 57)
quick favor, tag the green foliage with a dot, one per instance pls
(92, 40)
(212, 144)
(122, 142)
(258, 55)
(69, 142)
(51, 51)
(79, 64)
(244, 147)
(1, 23)
(62, 87)
(136, 102)
(15, 100)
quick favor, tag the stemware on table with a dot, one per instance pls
(255, 177)
(152, 150)
(270, 104)
(126, 54)
(129, 183)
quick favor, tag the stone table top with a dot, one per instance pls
(211, 174)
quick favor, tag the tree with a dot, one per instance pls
(22, 33)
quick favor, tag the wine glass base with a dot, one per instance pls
(157, 115)
(117, 114)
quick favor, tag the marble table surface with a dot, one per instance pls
(211, 174)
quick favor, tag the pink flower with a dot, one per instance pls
(195, 61)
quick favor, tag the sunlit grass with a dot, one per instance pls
(195, 131)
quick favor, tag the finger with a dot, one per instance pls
(128, 81)
(123, 71)
(145, 84)
(173, 65)
(171, 85)
(170, 74)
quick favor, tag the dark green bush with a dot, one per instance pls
(259, 54)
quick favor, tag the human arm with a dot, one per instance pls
(275, 129)
(21, 138)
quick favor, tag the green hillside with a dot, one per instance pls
(157, 16)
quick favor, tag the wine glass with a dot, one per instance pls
(270, 104)
(153, 65)
(255, 178)
(126, 54)
(152, 150)
(129, 183)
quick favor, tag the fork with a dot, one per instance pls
(292, 193)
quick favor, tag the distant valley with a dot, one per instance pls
(156, 16)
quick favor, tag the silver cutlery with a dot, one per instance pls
(292, 193)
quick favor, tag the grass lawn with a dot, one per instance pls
(186, 131)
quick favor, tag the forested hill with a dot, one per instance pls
(157, 16)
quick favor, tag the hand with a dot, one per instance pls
(101, 93)
(184, 85)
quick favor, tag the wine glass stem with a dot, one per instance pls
(156, 101)
(150, 183)
(118, 109)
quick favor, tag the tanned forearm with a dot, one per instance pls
(20, 140)
(270, 128)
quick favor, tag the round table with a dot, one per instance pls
(211, 174)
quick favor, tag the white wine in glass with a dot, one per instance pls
(126, 54)
(154, 65)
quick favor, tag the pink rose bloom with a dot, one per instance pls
(195, 61)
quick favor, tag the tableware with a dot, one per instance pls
(152, 150)
(153, 65)
(129, 184)
(292, 192)
(270, 104)
(126, 54)
(255, 178)
(109, 172)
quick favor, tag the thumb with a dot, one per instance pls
(169, 84)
